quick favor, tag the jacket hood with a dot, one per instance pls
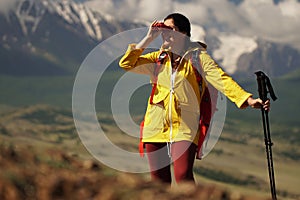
(194, 46)
(190, 46)
(197, 45)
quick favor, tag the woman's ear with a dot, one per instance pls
(185, 33)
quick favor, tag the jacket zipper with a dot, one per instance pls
(172, 84)
(169, 145)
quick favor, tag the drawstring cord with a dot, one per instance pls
(169, 147)
(173, 75)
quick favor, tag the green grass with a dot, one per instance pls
(237, 162)
(219, 175)
(24, 91)
(57, 91)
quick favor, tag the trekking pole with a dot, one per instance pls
(265, 87)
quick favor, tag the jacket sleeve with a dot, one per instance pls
(222, 81)
(134, 61)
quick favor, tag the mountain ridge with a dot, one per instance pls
(42, 37)
(51, 129)
(52, 37)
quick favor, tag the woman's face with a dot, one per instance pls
(173, 39)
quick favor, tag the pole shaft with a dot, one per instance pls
(270, 159)
(268, 144)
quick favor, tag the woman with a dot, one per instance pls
(171, 124)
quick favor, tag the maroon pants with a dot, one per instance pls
(183, 156)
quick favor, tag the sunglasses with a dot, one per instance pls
(162, 25)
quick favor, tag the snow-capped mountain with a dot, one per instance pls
(31, 13)
(245, 55)
(44, 37)
(275, 59)
(52, 37)
(229, 53)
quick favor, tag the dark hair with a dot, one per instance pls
(181, 21)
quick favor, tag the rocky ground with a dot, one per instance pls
(31, 173)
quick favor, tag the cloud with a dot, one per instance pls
(6, 5)
(272, 22)
(133, 9)
(260, 18)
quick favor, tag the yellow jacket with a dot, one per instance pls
(174, 114)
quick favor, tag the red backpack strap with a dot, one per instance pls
(141, 145)
(206, 107)
(158, 64)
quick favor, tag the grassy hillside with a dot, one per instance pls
(57, 173)
(237, 163)
(42, 158)
(57, 91)
(24, 91)
(284, 114)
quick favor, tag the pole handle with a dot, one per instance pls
(264, 86)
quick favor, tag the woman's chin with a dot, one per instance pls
(166, 46)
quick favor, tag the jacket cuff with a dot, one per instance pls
(132, 47)
(242, 102)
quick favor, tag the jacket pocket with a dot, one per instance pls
(189, 119)
(154, 120)
(160, 94)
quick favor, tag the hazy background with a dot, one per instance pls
(43, 44)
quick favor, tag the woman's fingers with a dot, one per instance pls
(266, 105)
(153, 31)
(258, 103)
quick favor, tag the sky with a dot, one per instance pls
(251, 18)
(264, 19)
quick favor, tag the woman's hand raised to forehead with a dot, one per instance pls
(153, 32)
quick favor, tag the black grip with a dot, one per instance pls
(270, 89)
(264, 86)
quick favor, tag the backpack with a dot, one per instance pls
(207, 104)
